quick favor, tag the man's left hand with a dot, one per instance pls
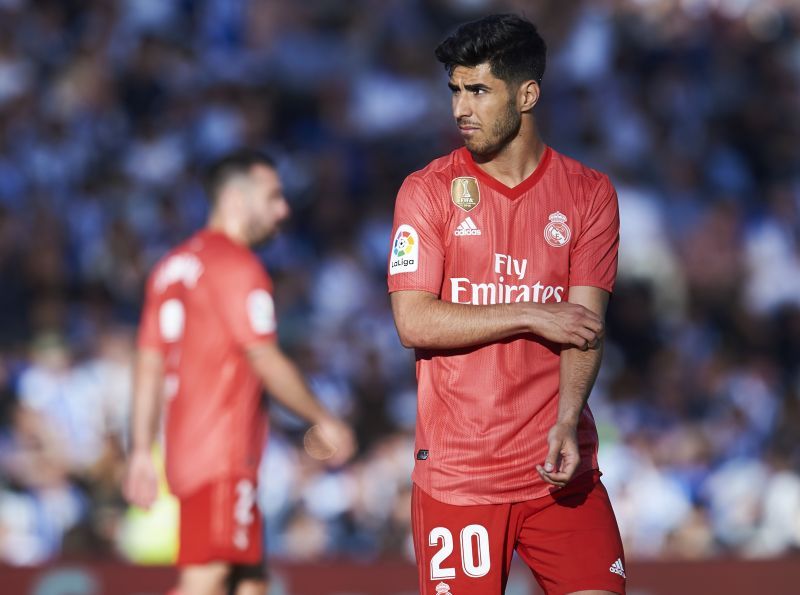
(563, 455)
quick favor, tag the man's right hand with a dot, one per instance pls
(568, 324)
(141, 479)
(330, 440)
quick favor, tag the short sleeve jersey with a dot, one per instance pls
(483, 412)
(206, 302)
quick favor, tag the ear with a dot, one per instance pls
(528, 95)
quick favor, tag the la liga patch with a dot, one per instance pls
(405, 251)
(261, 311)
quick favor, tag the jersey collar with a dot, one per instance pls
(498, 186)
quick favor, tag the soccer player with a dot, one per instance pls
(207, 343)
(503, 257)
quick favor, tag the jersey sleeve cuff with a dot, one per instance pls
(609, 287)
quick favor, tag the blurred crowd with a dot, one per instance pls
(109, 111)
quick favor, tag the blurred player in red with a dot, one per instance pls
(503, 257)
(207, 343)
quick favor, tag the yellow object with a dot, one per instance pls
(151, 536)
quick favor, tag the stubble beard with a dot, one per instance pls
(260, 235)
(505, 128)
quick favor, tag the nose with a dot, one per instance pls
(461, 105)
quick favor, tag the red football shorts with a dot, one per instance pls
(220, 522)
(569, 540)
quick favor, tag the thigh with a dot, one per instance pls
(573, 543)
(248, 579)
(203, 579)
(221, 522)
(251, 587)
(460, 550)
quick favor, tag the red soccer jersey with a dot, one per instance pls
(207, 301)
(483, 412)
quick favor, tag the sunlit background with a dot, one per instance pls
(110, 109)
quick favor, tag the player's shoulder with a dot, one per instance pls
(570, 166)
(206, 255)
(217, 247)
(229, 262)
(178, 265)
(439, 172)
(582, 181)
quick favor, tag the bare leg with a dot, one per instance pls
(252, 587)
(204, 579)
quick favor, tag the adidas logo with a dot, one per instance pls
(467, 228)
(617, 568)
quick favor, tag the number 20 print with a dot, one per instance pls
(468, 562)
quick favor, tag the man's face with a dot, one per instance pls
(264, 205)
(485, 111)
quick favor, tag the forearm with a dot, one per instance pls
(285, 384)
(578, 372)
(427, 322)
(437, 324)
(579, 367)
(147, 389)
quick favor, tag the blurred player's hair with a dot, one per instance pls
(510, 45)
(232, 164)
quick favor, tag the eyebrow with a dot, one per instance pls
(474, 87)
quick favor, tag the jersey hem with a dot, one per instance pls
(151, 345)
(195, 487)
(263, 340)
(473, 500)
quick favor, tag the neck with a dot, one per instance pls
(517, 160)
(229, 228)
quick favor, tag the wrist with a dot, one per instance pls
(322, 418)
(140, 449)
(567, 421)
(533, 319)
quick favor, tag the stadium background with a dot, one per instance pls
(108, 109)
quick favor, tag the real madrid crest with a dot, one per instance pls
(557, 232)
(465, 193)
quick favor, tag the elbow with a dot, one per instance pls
(407, 339)
(411, 337)
(412, 319)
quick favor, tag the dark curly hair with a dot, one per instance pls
(510, 45)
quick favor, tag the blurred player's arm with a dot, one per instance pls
(425, 321)
(285, 384)
(141, 480)
(578, 371)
